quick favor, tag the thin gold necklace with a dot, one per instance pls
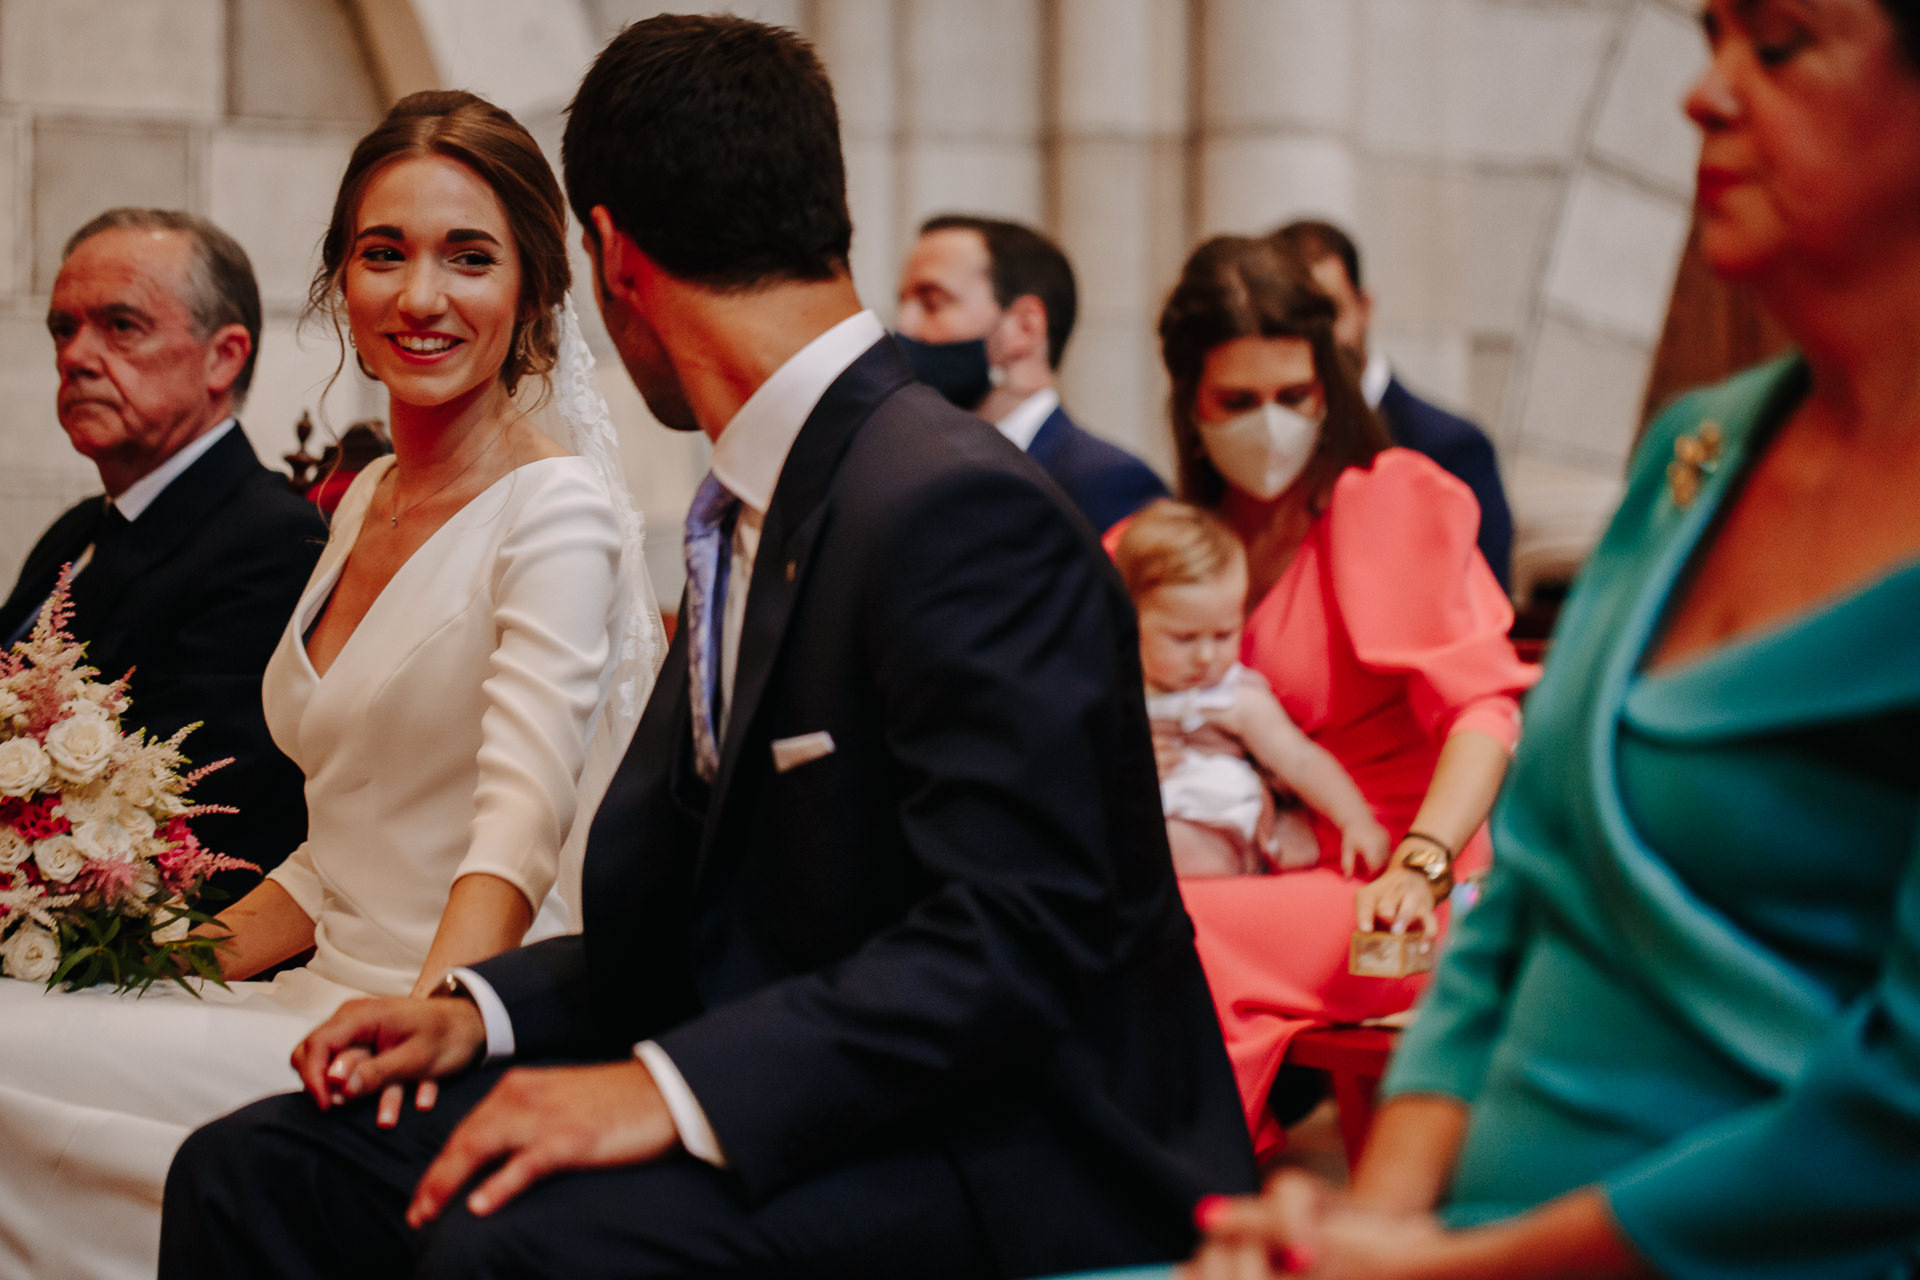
(393, 499)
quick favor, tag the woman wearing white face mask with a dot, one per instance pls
(1374, 618)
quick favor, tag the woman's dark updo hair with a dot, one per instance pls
(1906, 28)
(1233, 287)
(471, 130)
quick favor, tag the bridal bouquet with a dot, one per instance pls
(97, 862)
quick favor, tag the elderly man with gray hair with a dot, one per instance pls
(190, 563)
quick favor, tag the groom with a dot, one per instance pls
(884, 970)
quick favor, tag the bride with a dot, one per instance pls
(457, 683)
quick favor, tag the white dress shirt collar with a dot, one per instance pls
(1027, 417)
(141, 493)
(1374, 379)
(753, 446)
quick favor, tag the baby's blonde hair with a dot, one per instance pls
(1172, 544)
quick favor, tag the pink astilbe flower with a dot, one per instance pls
(185, 863)
(192, 780)
(107, 880)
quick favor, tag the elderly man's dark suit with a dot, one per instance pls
(935, 990)
(192, 597)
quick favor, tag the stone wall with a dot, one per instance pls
(1517, 172)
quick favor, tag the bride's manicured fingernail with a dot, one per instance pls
(1207, 1211)
(1296, 1259)
(337, 1069)
(352, 1087)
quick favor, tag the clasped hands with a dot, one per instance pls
(535, 1122)
(1301, 1226)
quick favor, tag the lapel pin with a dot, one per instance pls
(1694, 459)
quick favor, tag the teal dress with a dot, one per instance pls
(1693, 978)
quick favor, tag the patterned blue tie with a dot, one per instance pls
(709, 553)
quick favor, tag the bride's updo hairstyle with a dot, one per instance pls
(1233, 287)
(471, 130)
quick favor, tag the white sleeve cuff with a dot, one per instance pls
(696, 1134)
(493, 1013)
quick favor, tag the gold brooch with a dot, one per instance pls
(1694, 458)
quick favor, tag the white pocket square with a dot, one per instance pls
(791, 753)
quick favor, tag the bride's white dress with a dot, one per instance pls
(446, 738)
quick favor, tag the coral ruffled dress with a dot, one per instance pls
(1385, 635)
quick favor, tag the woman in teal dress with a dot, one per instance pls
(1680, 1032)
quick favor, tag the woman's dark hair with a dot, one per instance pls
(714, 144)
(1906, 28)
(1233, 287)
(471, 130)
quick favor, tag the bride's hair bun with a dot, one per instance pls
(467, 128)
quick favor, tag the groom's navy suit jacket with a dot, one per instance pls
(192, 597)
(959, 929)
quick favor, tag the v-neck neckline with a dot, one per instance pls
(324, 586)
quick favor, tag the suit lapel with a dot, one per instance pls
(62, 545)
(1046, 441)
(180, 511)
(794, 519)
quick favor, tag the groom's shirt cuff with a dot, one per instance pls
(689, 1117)
(493, 1013)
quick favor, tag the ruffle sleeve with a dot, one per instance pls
(1417, 597)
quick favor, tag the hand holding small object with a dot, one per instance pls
(1401, 897)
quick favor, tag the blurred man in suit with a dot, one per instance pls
(987, 307)
(191, 561)
(1450, 440)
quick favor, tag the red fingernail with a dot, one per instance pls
(1208, 1211)
(1296, 1259)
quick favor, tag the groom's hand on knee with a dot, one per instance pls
(538, 1122)
(370, 1043)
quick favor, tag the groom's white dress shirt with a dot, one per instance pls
(747, 459)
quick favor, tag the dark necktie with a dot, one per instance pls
(709, 554)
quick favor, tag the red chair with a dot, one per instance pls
(1356, 1058)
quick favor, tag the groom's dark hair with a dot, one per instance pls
(713, 142)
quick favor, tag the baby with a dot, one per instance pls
(1187, 574)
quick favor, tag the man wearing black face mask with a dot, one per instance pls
(986, 307)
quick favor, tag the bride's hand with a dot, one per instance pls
(370, 1044)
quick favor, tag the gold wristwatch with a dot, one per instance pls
(1431, 859)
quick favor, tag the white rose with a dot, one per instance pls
(11, 705)
(60, 858)
(31, 954)
(15, 849)
(174, 930)
(24, 767)
(105, 697)
(107, 841)
(89, 804)
(137, 823)
(82, 745)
